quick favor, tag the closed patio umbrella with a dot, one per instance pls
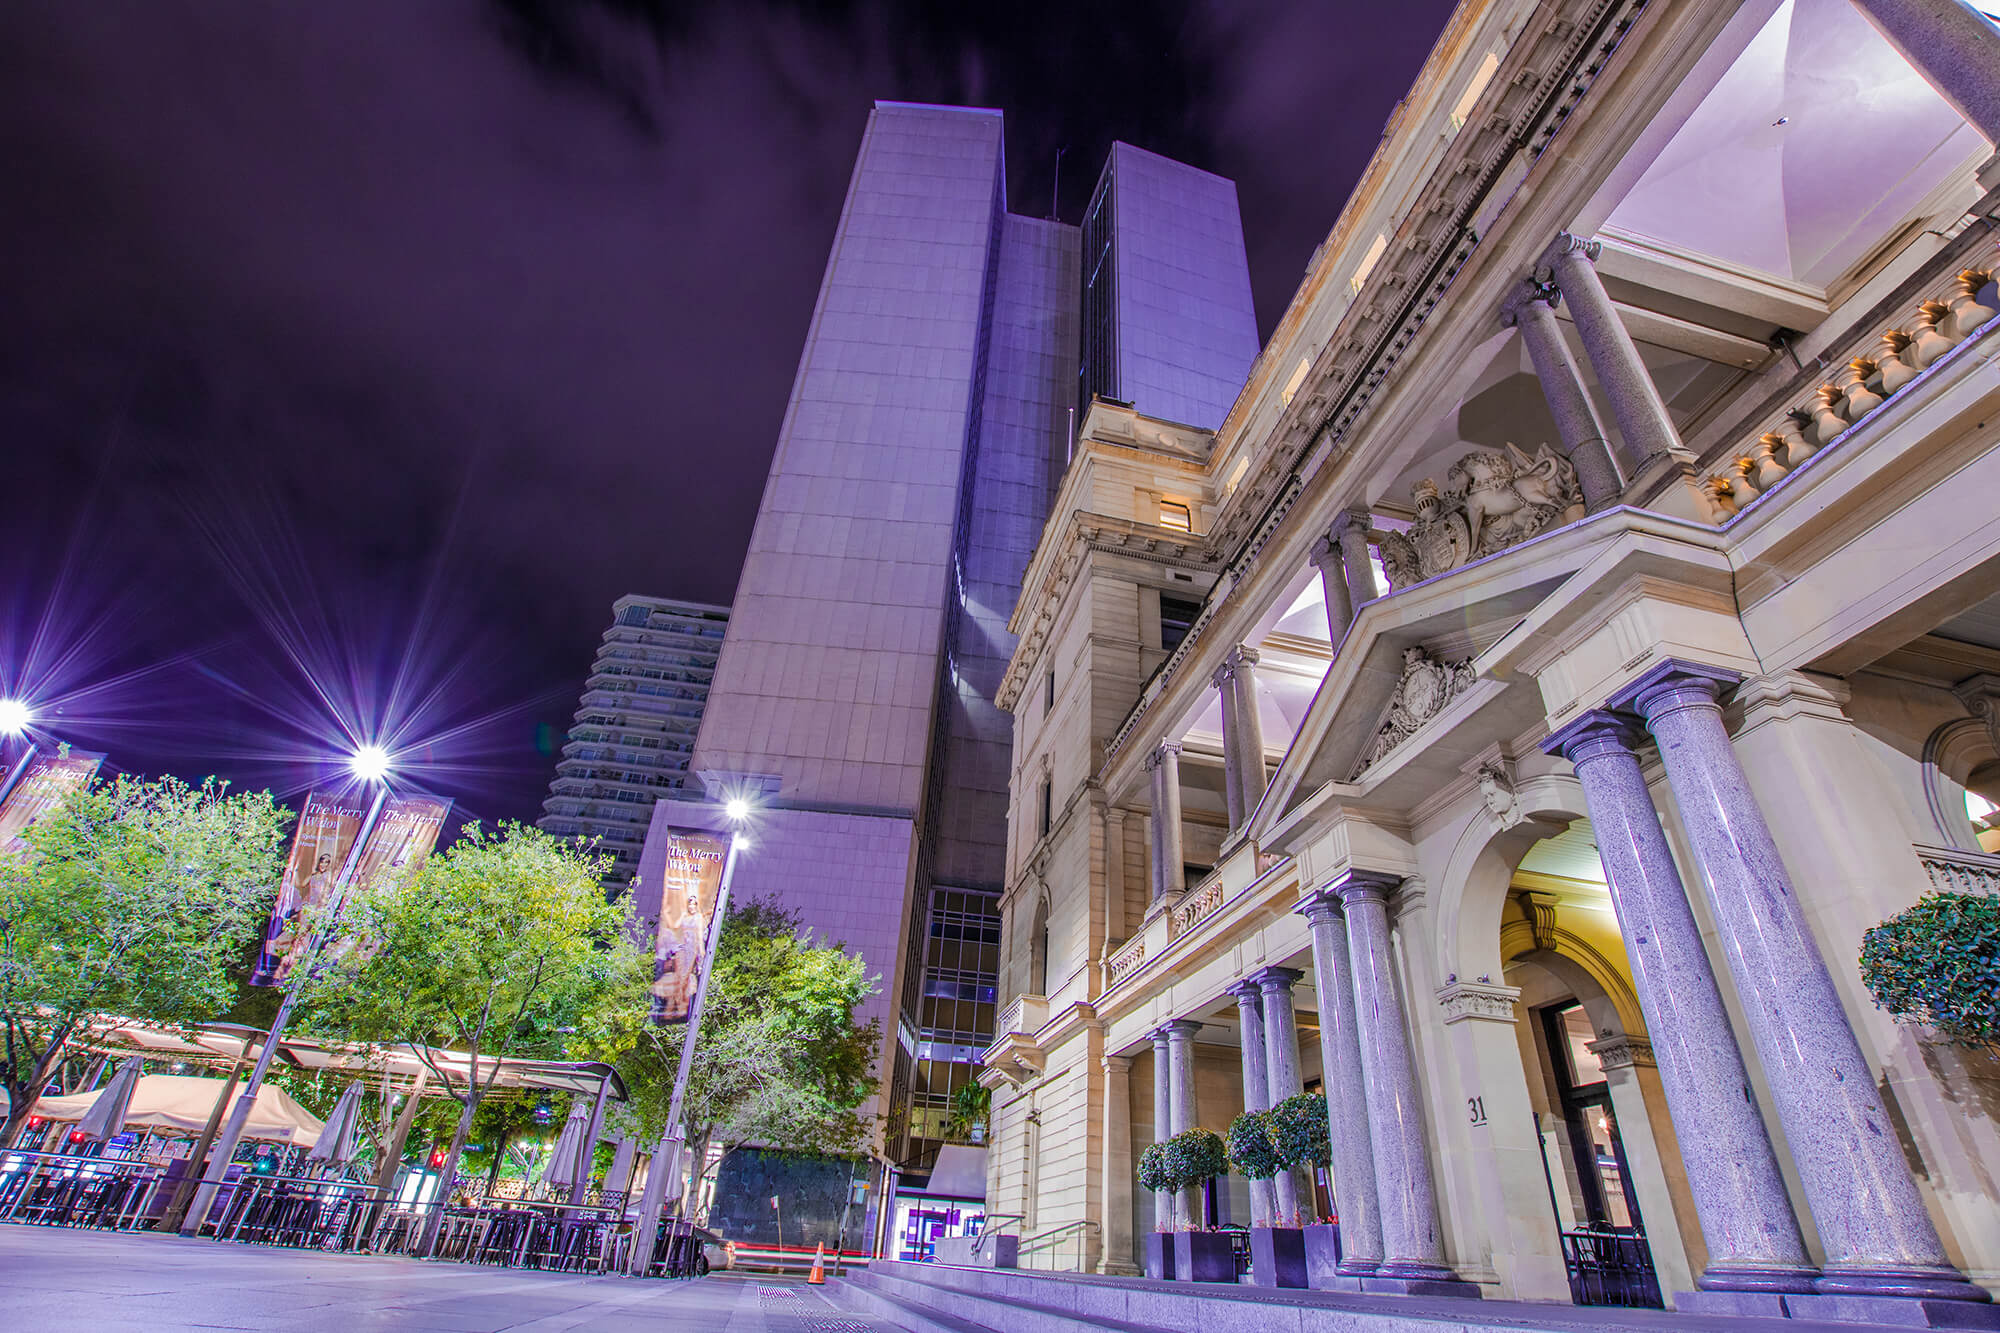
(623, 1159)
(335, 1145)
(566, 1159)
(112, 1103)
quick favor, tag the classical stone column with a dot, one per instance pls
(1114, 874)
(1879, 1239)
(1413, 1257)
(1116, 1147)
(1256, 1086)
(1635, 401)
(1180, 1063)
(1242, 733)
(1531, 309)
(1739, 1195)
(1350, 531)
(1327, 557)
(1281, 1045)
(1169, 858)
(1955, 48)
(1346, 1097)
(1632, 1078)
(1163, 1121)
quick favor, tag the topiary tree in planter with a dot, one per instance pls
(1190, 1158)
(1299, 1131)
(1153, 1176)
(1939, 964)
(1252, 1150)
(1193, 1156)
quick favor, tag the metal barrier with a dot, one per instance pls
(56, 1189)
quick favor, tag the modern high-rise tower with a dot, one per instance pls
(635, 726)
(927, 430)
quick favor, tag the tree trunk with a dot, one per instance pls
(176, 1214)
(499, 1159)
(449, 1172)
(391, 1159)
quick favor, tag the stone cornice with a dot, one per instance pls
(1622, 1052)
(1470, 999)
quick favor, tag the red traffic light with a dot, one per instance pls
(437, 1158)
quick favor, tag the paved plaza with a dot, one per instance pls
(53, 1280)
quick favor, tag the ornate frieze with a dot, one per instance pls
(1622, 1052)
(1490, 501)
(1469, 999)
(1426, 687)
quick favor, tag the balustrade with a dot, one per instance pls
(1198, 904)
(1126, 961)
(1953, 871)
(1952, 312)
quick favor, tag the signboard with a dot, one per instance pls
(404, 834)
(689, 886)
(327, 828)
(43, 781)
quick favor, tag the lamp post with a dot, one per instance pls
(369, 763)
(667, 1154)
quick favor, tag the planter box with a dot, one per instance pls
(1278, 1256)
(1160, 1256)
(1203, 1256)
(1322, 1244)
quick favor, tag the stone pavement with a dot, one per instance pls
(55, 1280)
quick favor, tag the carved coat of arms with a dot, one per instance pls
(1426, 687)
(1490, 501)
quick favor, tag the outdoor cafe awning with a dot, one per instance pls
(182, 1104)
(224, 1043)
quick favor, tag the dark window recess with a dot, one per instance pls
(1049, 693)
(1047, 816)
(1193, 874)
(1176, 618)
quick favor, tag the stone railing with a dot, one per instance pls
(1025, 1014)
(1201, 903)
(1951, 313)
(1126, 961)
(1953, 871)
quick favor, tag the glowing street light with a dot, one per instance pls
(737, 809)
(15, 716)
(370, 763)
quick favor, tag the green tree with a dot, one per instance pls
(1252, 1150)
(496, 947)
(971, 1109)
(780, 1062)
(130, 897)
(1939, 964)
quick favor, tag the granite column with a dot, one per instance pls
(1180, 1063)
(1327, 558)
(1879, 1238)
(1635, 400)
(1739, 1194)
(1582, 434)
(1169, 857)
(1163, 1122)
(1281, 1045)
(1256, 1088)
(1954, 47)
(1350, 532)
(1116, 1166)
(1413, 1256)
(1346, 1097)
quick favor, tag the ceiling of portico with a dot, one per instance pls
(1816, 143)
(1292, 645)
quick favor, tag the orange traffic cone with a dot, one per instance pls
(817, 1278)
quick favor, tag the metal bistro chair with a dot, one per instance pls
(1610, 1268)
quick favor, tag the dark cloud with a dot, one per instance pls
(397, 336)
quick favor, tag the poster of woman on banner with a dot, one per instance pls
(325, 835)
(43, 782)
(689, 886)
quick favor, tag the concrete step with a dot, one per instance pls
(856, 1296)
(979, 1300)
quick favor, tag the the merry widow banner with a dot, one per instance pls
(688, 888)
(42, 781)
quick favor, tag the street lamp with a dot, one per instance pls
(15, 716)
(667, 1154)
(370, 763)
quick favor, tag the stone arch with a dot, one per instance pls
(1473, 889)
(1038, 947)
(1600, 987)
(1951, 754)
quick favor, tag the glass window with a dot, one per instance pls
(1175, 515)
(1177, 616)
(1584, 1066)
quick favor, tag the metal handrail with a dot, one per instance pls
(986, 1228)
(1055, 1236)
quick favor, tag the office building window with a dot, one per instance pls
(1049, 693)
(1177, 616)
(1175, 515)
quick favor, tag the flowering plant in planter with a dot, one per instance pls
(1252, 1149)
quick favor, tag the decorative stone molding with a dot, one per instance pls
(1953, 871)
(1426, 687)
(1470, 999)
(1981, 696)
(1496, 792)
(1622, 1052)
(1490, 501)
(1540, 909)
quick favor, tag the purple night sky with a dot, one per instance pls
(357, 355)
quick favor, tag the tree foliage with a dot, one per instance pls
(1301, 1131)
(130, 897)
(1252, 1150)
(497, 946)
(1153, 1176)
(1192, 1156)
(780, 1061)
(1939, 964)
(971, 1109)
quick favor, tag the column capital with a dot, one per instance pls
(1464, 1000)
(1244, 655)
(1159, 755)
(1181, 1027)
(1158, 1036)
(1594, 735)
(1567, 247)
(1325, 551)
(1357, 886)
(1116, 1064)
(1673, 685)
(1277, 980)
(1527, 294)
(1246, 991)
(1322, 902)
(1355, 518)
(1622, 1052)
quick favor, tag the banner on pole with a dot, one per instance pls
(42, 783)
(405, 833)
(689, 885)
(327, 828)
